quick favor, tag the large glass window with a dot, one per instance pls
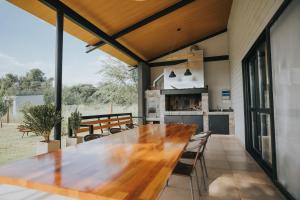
(259, 123)
(263, 77)
(285, 49)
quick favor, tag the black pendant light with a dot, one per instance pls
(172, 74)
(187, 72)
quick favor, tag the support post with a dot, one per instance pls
(143, 85)
(58, 67)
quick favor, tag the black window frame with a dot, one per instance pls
(264, 35)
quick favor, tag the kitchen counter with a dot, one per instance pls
(220, 113)
(191, 112)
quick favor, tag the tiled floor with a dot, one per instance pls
(233, 175)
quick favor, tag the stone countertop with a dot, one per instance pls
(219, 113)
(199, 112)
(192, 112)
(152, 119)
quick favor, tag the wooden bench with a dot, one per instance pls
(112, 122)
(23, 130)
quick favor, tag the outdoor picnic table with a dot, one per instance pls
(133, 164)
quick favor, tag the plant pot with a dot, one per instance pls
(63, 142)
(71, 141)
(44, 147)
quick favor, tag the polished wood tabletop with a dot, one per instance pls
(131, 165)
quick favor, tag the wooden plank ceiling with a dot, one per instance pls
(195, 20)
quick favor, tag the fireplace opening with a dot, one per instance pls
(183, 102)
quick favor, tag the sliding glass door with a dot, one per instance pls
(271, 78)
(285, 50)
(257, 104)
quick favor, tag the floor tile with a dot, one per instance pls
(232, 175)
(215, 156)
(239, 158)
(171, 193)
(251, 177)
(234, 165)
(258, 191)
(223, 187)
(217, 164)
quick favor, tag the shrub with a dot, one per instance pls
(41, 119)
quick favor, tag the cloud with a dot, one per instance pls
(10, 64)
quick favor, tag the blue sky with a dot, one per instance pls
(27, 42)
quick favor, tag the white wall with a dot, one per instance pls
(247, 20)
(196, 80)
(217, 78)
(20, 101)
(216, 74)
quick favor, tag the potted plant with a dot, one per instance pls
(64, 136)
(74, 124)
(41, 119)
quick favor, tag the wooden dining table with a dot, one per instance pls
(132, 165)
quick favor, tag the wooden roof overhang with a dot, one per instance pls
(135, 30)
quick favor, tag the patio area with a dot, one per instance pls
(225, 71)
(233, 175)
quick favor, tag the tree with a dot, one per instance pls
(33, 80)
(3, 110)
(119, 85)
(49, 96)
(77, 94)
(7, 82)
(33, 83)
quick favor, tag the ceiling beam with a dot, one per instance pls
(189, 44)
(176, 62)
(167, 63)
(141, 23)
(85, 24)
(216, 58)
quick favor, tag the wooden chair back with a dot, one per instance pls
(102, 122)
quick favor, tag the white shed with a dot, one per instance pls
(18, 102)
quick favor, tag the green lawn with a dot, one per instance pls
(13, 146)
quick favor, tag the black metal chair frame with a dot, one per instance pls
(189, 154)
(92, 137)
(192, 168)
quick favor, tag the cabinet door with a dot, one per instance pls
(173, 119)
(186, 119)
(194, 119)
(219, 124)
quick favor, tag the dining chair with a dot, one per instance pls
(200, 135)
(91, 137)
(129, 126)
(185, 169)
(115, 130)
(189, 154)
